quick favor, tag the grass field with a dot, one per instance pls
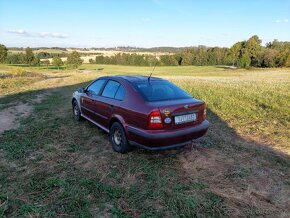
(53, 166)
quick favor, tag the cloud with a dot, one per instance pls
(19, 32)
(281, 21)
(52, 35)
(38, 35)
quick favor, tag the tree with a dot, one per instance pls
(235, 52)
(187, 57)
(201, 56)
(253, 48)
(43, 55)
(168, 60)
(36, 62)
(287, 64)
(56, 61)
(3, 53)
(45, 62)
(29, 56)
(268, 57)
(74, 60)
(16, 59)
(100, 59)
(151, 60)
(245, 60)
(91, 61)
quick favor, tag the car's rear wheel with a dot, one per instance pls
(118, 138)
(76, 111)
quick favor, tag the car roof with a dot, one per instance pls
(133, 79)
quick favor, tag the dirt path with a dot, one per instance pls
(10, 117)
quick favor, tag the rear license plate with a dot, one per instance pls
(185, 118)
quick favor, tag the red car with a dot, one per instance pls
(146, 112)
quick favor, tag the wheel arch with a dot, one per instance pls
(117, 118)
(74, 99)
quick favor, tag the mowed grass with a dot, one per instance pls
(53, 166)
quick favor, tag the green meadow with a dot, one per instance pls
(53, 166)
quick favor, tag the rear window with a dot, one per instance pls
(160, 91)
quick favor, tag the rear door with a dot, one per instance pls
(89, 99)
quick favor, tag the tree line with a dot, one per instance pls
(244, 54)
(29, 58)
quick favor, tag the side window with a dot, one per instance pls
(110, 89)
(120, 93)
(95, 87)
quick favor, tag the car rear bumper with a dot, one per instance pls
(161, 140)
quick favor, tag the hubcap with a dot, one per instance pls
(117, 137)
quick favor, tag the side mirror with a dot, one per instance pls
(81, 90)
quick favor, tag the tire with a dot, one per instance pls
(118, 138)
(76, 111)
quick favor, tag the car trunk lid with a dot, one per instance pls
(180, 113)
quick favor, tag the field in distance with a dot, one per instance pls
(52, 166)
(88, 54)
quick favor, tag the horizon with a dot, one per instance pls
(141, 24)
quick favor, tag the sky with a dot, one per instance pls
(141, 23)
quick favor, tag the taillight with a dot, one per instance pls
(155, 120)
(204, 114)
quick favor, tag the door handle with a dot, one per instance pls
(111, 107)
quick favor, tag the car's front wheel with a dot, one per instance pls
(118, 138)
(76, 111)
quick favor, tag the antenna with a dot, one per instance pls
(152, 71)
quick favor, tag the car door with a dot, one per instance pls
(89, 99)
(109, 101)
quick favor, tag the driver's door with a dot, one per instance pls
(88, 100)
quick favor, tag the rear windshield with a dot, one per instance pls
(160, 91)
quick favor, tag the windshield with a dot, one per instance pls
(160, 91)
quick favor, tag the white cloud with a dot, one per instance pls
(281, 21)
(38, 35)
(19, 32)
